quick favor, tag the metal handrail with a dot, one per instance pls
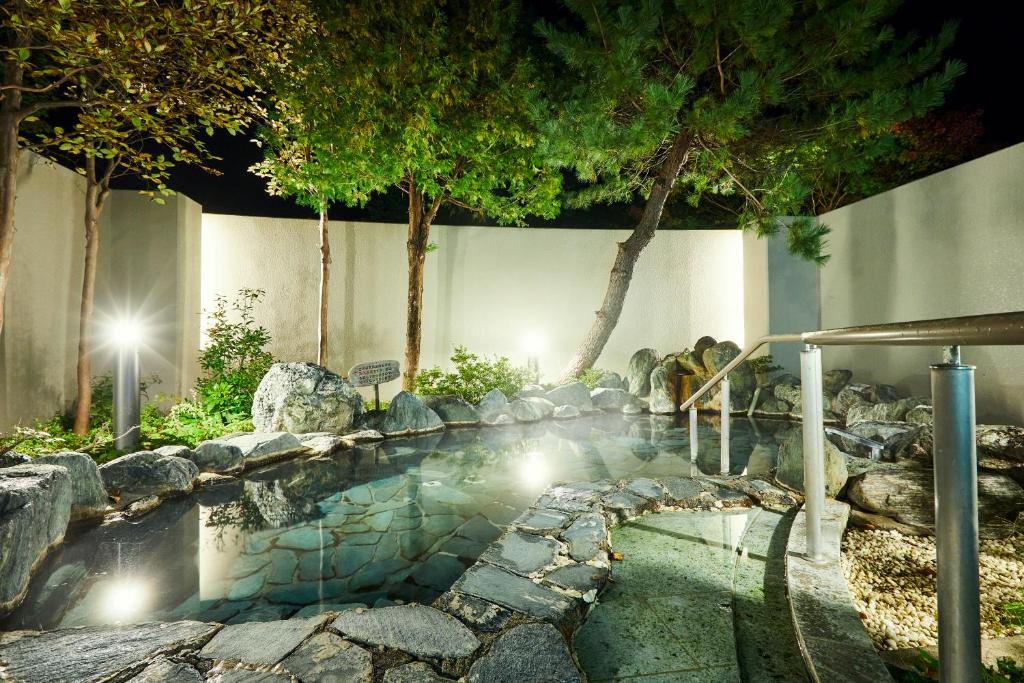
(954, 456)
(992, 329)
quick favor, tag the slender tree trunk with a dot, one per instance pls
(95, 194)
(421, 216)
(10, 118)
(625, 260)
(325, 278)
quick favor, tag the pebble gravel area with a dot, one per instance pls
(892, 578)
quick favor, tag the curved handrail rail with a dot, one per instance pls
(991, 329)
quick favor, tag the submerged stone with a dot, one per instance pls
(418, 630)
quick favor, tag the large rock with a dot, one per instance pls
(304, 397)
(453, 410)
(638, 376)
(908, 495)
(88, 495)
(1002, 441)
(35, 506)
(572, 394)
(524, 411)
(138, 475)
(607, 398)
(790, 394)
(12, 458)
(887, 411)
(850, 395)
(493, 404)
(833, 381)
(702, 345)
(742, 381)
(661, 401)
(218, 455)
(531, 652)
(416, 629)
(407, 414)
(611, 380)
(790, 471)
(264, 447)
(95, 653)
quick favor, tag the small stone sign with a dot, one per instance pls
(375, 372)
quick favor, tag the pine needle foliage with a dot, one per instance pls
(765, 94)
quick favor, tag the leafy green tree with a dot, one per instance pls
(429, 97)
(142, 76)
(738, 102)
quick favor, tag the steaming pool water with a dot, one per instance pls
(383, 523)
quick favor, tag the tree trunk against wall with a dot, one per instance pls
(10, 119)
(625, 260)
(96, 191)
(421, 216)
(325, 279)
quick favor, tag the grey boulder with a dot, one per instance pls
(908, 496)
(638, 376)
(453, 410)
(790, 472)
(742, 381)
(88, 495)
(35, 507)
(146, 473)
(12, 458)
(611, 380)
(407, 414)
(524, 411)
(260, 448)
(572, 394)
(833, 381)
(566, 412)
(218, 455)
(661, 401)
(493, 403)
(608, 398)
(304, 397)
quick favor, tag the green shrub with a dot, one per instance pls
(591, 377)
(188, 423)
(473, 377)
(236, 358)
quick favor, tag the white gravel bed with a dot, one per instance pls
(892, 578)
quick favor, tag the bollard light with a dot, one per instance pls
(127, 335)
(533, 345)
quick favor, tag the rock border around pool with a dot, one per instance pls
(509, 618)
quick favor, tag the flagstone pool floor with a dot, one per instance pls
(698, 596)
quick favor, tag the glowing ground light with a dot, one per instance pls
(533, 342)
(126, 332)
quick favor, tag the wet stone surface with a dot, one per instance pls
(264, 643)
(522, 553)
(420, 631)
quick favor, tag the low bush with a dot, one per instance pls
(473, 377)
(591, 377)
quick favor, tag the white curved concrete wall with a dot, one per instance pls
(946, 245)
(490, 289)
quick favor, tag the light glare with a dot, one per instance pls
(533, 342)
(126, 332)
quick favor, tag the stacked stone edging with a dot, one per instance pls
(510, 617)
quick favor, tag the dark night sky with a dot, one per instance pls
(988, 41)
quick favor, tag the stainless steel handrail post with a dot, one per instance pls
(693, 434)
(956, 520)
(725, 411)
(814, 448)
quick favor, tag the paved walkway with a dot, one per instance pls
(699, 596)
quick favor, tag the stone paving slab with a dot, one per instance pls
(421, 631)
(531, 652)
(261, 642)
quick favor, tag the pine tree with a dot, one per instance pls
(740, 101)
